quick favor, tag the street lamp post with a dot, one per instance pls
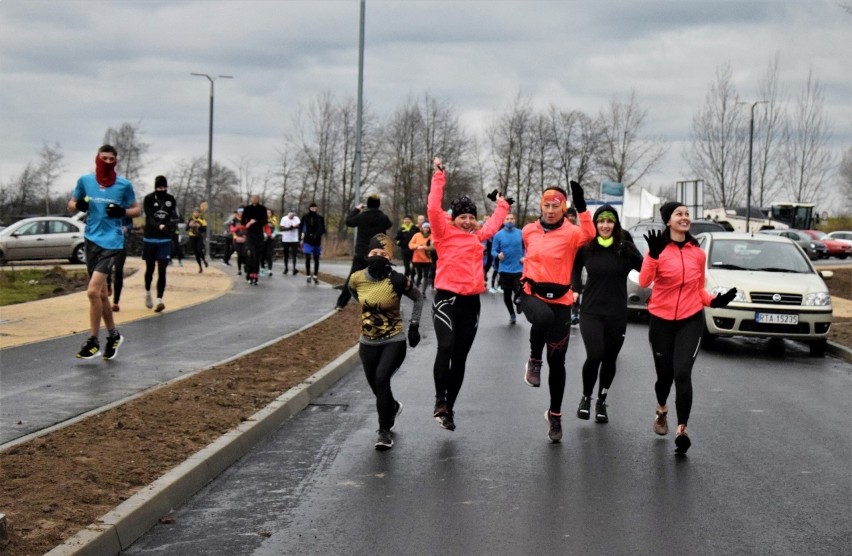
(750, 149)
(210, 149)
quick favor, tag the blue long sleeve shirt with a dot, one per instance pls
(510, 243)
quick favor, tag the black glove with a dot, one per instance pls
(510, 200)
(722, 299)
(577, 197)
(413, 334)
(493, 197)
(115, 211)
(82, 205)
(656, 242)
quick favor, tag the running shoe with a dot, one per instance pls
(286, 271)
(600, 412)
(396, 413)
(160, 307)
(308, 280)
(91, 348)
(440, 410)
(295, 271)
(492, 290)
(532, 372)
(575, 321)
(447, 421)
(682, 443)
(513, 319)
(262, 273)
(385, 441)
(661, 425)
(112, 343)
(584, 407)
(554, 426)
(205, 263)
(148, 301)
(315, 279)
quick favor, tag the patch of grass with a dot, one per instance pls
(21, 286)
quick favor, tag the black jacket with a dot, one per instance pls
(160, 208)
(312, 228)
(258, 214)
(369, 222)
(403, 238)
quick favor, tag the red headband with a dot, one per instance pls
(554, 196)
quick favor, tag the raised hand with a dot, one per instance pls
(722, 299)
(577, 197)
(656, 242)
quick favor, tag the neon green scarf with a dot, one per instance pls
(605, 242)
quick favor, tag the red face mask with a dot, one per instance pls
(104, 172)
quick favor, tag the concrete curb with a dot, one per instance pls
(118, 529)
(841, 352)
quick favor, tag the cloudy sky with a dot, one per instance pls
(70, 69)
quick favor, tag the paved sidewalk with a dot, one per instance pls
(26, 323)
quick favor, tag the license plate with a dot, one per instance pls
(774, 318)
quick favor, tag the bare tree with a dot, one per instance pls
(625, 156)
(767, 136)
(719, 146)
(127, 140)
(50, 166)
(511, 137)
(577, 140)
(845, 172)
(806, 160)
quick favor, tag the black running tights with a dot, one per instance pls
(380, 363)
(551, 325)
(674, 344)
(316, 258)
(456, 319)
(118, 270)
(603, 337)
(161, 276)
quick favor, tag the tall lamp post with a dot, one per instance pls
(360, 104)
(210, 149)
(750, 149)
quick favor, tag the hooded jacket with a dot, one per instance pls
(605, 291)
(160, 208)
(459, 269)
(369, 222)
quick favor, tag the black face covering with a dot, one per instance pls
(378, 267)
(160, 194)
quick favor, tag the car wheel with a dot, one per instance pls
(79, 254)
(2, 258)
(841, 257)
(818, 347)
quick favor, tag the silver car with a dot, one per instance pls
(43, 237)
(779, 293)
(815, 249)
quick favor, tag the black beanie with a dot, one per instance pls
(160, 181)
(463, 205)
(668, 209)
(373, 201)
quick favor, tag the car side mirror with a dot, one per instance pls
(826, 274)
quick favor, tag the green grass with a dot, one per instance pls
(21, 286)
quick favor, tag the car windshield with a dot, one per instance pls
(754, 254)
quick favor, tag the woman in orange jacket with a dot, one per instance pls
(459, 279)
(421, 255)
(550, 244)
(675, 265)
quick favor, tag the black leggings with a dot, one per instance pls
(675, 344)
(380, 363)
(240, 249)
(316, 258)
(253, 253)
(456, 319)
(422, 271)
(118, 269)
(510, 282)
(551, 325)
(290, 247)
(161, 276)
(603, 337)
(268, 253)
(198, 249)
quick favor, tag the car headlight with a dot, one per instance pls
(813, 246)
(819, 299)
(740, 297)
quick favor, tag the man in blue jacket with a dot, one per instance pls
(508, 248)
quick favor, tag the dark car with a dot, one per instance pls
(814, 249)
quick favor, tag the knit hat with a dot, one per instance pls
(425, 225)
(462, 205)
(668, 209)
(382, 241)
(312, 205)
(160, 181)
(374, 201)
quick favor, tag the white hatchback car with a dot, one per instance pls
(44, 237)
(779, 293)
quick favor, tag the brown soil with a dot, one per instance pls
(56, 485)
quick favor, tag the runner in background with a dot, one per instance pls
(508, 251)
(197, 230)
(271, 235)
(161, 216)
(289, 226)
(313, 228)
(378, 289)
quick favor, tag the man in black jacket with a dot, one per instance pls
(403, 237)
(312, 230)
(367, 222)
(254, 219)
(161, 217)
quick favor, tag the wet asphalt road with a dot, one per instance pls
(769, 471)
(43, 383)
